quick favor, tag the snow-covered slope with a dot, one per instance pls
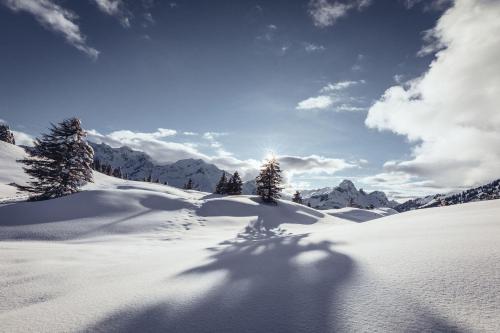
(10, 171)
(360, 215)
(344, 195)
(130, 256)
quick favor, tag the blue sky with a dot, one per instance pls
(230, 81)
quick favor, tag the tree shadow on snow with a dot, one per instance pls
(274, 283)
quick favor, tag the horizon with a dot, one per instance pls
(335, 93)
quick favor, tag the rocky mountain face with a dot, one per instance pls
(489, 191)
(138, 166)
(345, 195)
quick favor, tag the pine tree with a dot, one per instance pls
(61, 161)
(6, 134)
(297, 197)
(117, 172)
(269, 181)
(234, 185)
(108, 170)
(189, 185)
(221, 187)
(97, 165)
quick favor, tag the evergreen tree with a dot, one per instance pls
(189, 185)
(234, 185)
(221, 187)
(149, 178)
(61, 161)
(97, 165)
(117, 172)
(108, 170)
(6, 134)
(297, 197)
(269, 181)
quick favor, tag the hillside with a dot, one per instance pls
(488, 191)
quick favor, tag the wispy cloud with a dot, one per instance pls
(318, 102)
(114, 8)
(340, 85)
(54, 17)
(330, 96)
(311, 48)
(326, 13)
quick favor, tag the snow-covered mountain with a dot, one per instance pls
(484, 192)
(345, 195)
(139, 165)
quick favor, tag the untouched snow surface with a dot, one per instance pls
(125, 256)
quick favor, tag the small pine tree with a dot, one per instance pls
(61, 162)
(234, 185)
(117, 172)
(269, 181)
(221, 187)
(97, 165)
(6, 134)
(297, 197)
(189, 185)
(308, 204)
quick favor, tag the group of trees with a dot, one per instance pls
(107, 169)
(231, 186)
(6, 134)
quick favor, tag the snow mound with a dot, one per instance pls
(10, 171)
(360, 215)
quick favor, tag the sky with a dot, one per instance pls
(400, 96)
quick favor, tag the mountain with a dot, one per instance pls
(485, 192)
(344, 195)
(138, 165)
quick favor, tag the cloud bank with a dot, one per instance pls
(163, 150)
(452, 112)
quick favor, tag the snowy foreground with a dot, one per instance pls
(135, 257)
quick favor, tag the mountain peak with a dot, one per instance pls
(347, 185)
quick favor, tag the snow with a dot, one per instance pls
(11, 171)
(131, 256)
(360, 215)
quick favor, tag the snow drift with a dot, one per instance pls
(129, 256)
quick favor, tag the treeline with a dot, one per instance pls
(107, 169)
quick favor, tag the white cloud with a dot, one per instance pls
(115, 8)
(326, 12)
(319, 102)
(55, 18)
(451, 112)
(310, 47)
(341, 85)
(161, 150)
(350, 108)
(312, 164)
(330, 96)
